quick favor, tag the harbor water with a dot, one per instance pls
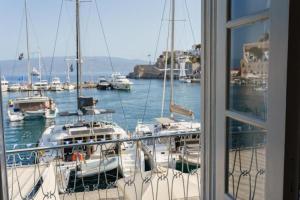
(143, 102)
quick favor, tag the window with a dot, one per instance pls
(249, 98)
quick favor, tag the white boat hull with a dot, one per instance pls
(4, 88)
(19, 116)
(15, 117)
(119, 86)
(69, 87)
(40, 87)
(94, 167)
(56, 88)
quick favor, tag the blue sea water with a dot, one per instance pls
(130, 107)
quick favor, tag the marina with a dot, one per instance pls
(86, 145)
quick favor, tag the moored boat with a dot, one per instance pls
(85, 128)
(170, 125)
(56, 85)
(41, 85)
(31, 107)
(120, 82)
(14, 87)
(4, 84)
(68, 86)
(103, 84)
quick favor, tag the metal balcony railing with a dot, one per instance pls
(150, 167)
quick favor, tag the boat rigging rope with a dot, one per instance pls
(154, 57)
(18, 43)
(166, 66)
(159, 32)
(190, 22)
(38, 44)
(55, 40)
(109, 58)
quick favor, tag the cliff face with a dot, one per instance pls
(155, 72)
(146, 72)
(190, 60)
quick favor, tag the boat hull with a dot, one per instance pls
(69, 87)
(104, 86)
(121, 86)
(94, 167)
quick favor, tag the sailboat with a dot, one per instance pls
(182, 73)
(170, 125)
(4, 84)
(85, 129)
(32, 106)
(67, 85)
(41, 84)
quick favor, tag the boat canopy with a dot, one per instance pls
(37, 99)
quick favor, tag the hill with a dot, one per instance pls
(92, 66)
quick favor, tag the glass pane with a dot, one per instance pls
(240, 8)
(249, 63)
(245, 164)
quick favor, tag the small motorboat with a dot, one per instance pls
(103, 84)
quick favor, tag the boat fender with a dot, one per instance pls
(77, 155)
(10, 103)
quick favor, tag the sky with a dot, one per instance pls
(131, 27)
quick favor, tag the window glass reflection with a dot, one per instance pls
(246, 155)
(240, 8)
(249, 65)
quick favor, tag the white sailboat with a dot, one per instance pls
(4, 84)
(169, 125)
(90, 160)
(32, 106)
(182, 73)
(41, 84)
(67, 85)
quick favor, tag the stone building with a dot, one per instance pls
(255, 61)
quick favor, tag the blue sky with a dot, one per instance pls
(131, 27)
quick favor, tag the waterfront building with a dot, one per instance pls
(255, 60)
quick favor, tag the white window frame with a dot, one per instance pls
(214, 43)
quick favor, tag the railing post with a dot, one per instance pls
(3, 173)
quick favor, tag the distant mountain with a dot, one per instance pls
(92, 66)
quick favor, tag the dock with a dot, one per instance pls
(28, 182)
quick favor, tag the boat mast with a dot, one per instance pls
(27, 45)
(78, 53)
(40, 68)
(68, 72)
(172, 55)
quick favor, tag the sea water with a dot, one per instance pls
(143, 102)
